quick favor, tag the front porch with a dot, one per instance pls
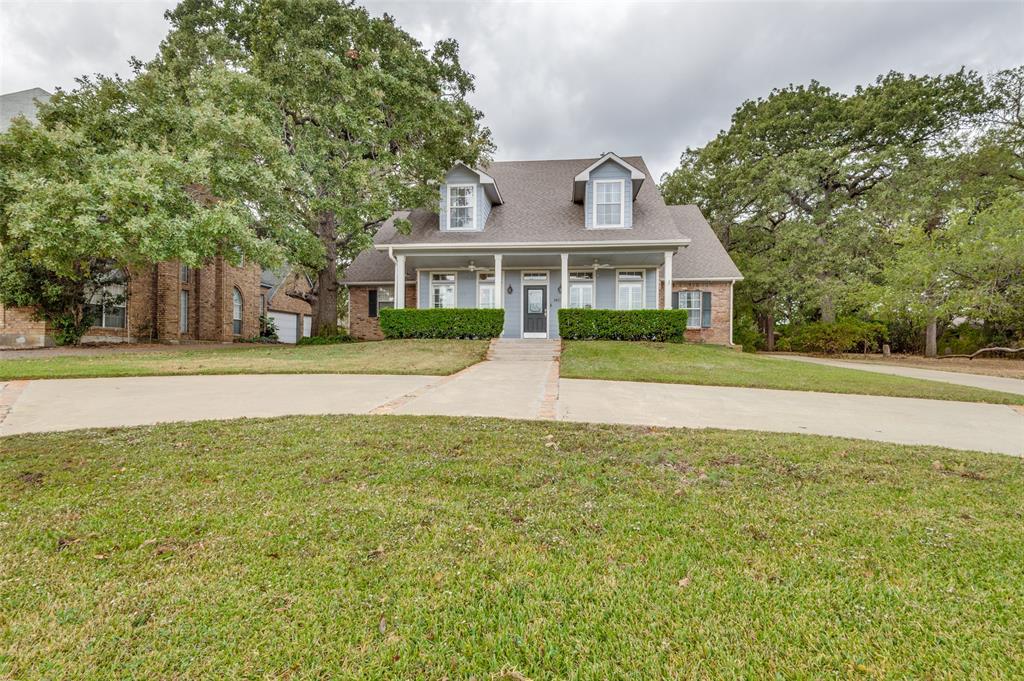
(533, 286)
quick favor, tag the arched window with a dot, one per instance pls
(236, 312)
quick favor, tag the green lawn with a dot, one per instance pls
(432, 357)
(711, 365)
(409, 547)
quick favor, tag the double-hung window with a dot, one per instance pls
(608, 203)
(581, 290)
(690, 301)
(630, 294)
(107, 302)
(379, 298)
(442, 289)
(485, 291)
(461, 206)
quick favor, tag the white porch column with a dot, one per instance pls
(564, 302)
(399, 281)
(499, 283)
(667, 303)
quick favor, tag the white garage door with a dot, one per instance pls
(307, 326)
(287, 326)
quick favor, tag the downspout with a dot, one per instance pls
(731, 284)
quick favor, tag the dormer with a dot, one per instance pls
(607, 189)
(466, 199)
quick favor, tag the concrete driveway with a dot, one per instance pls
(1002, 384)
(516, 384)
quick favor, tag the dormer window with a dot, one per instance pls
(608, 203)
(461, 206)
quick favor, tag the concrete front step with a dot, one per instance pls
(524, 350)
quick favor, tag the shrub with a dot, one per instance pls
(845, 335)
(268, 327)
(326, 340)
(745, 334)
(652, 325)
(441, 323)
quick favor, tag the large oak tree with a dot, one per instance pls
(368, 118)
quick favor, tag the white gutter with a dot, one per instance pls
(519, 245)
(391, 255)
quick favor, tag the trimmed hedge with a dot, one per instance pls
(651, 325)
(334, 339)
(441, 323)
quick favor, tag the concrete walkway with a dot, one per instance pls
(518, 381)
(1006, 385)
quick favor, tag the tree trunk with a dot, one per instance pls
(828, 309)
(325, 307)
(931, 339)
(767, 323)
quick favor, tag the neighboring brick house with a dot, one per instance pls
(532, 236)
(167, 302)
(292, 316)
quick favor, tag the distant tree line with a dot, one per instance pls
(901, 203)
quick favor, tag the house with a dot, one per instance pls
(173, 303)
(291, 316)
(21, 103)
(534, 236)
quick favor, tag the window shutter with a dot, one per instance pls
(705, 309)
(372, 302)
(675, 300)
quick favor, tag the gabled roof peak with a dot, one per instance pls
(580, 181)
(490, 186)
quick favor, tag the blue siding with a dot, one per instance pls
(609, 170)
(604, 290)
(465, 289)
(424, 301)
(554, 302)
(513, 303)
(483, 204)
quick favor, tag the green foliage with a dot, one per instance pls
(268, 328)
(630, 325)
(441, 323)
(844, 335)
(366, 120)
(330, 339)
(745, 334)
(900, 200)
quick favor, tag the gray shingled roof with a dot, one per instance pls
(705, 257)
(538, 207)
(22, 103)
(373, 266)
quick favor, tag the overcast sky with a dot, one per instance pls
(573, 79)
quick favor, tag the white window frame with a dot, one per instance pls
(105, 304)
(385, 295)
(472, 207)
(454, 283)
(481, 285)
(700, 312)
(622, 204)
(582, 283)
(643, 288)
(240, 309)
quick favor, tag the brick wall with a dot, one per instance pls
(153, 302)
(282, 302)
(20, 329)
(360, 324)
(721, 310)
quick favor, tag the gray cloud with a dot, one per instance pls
(578, 78)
